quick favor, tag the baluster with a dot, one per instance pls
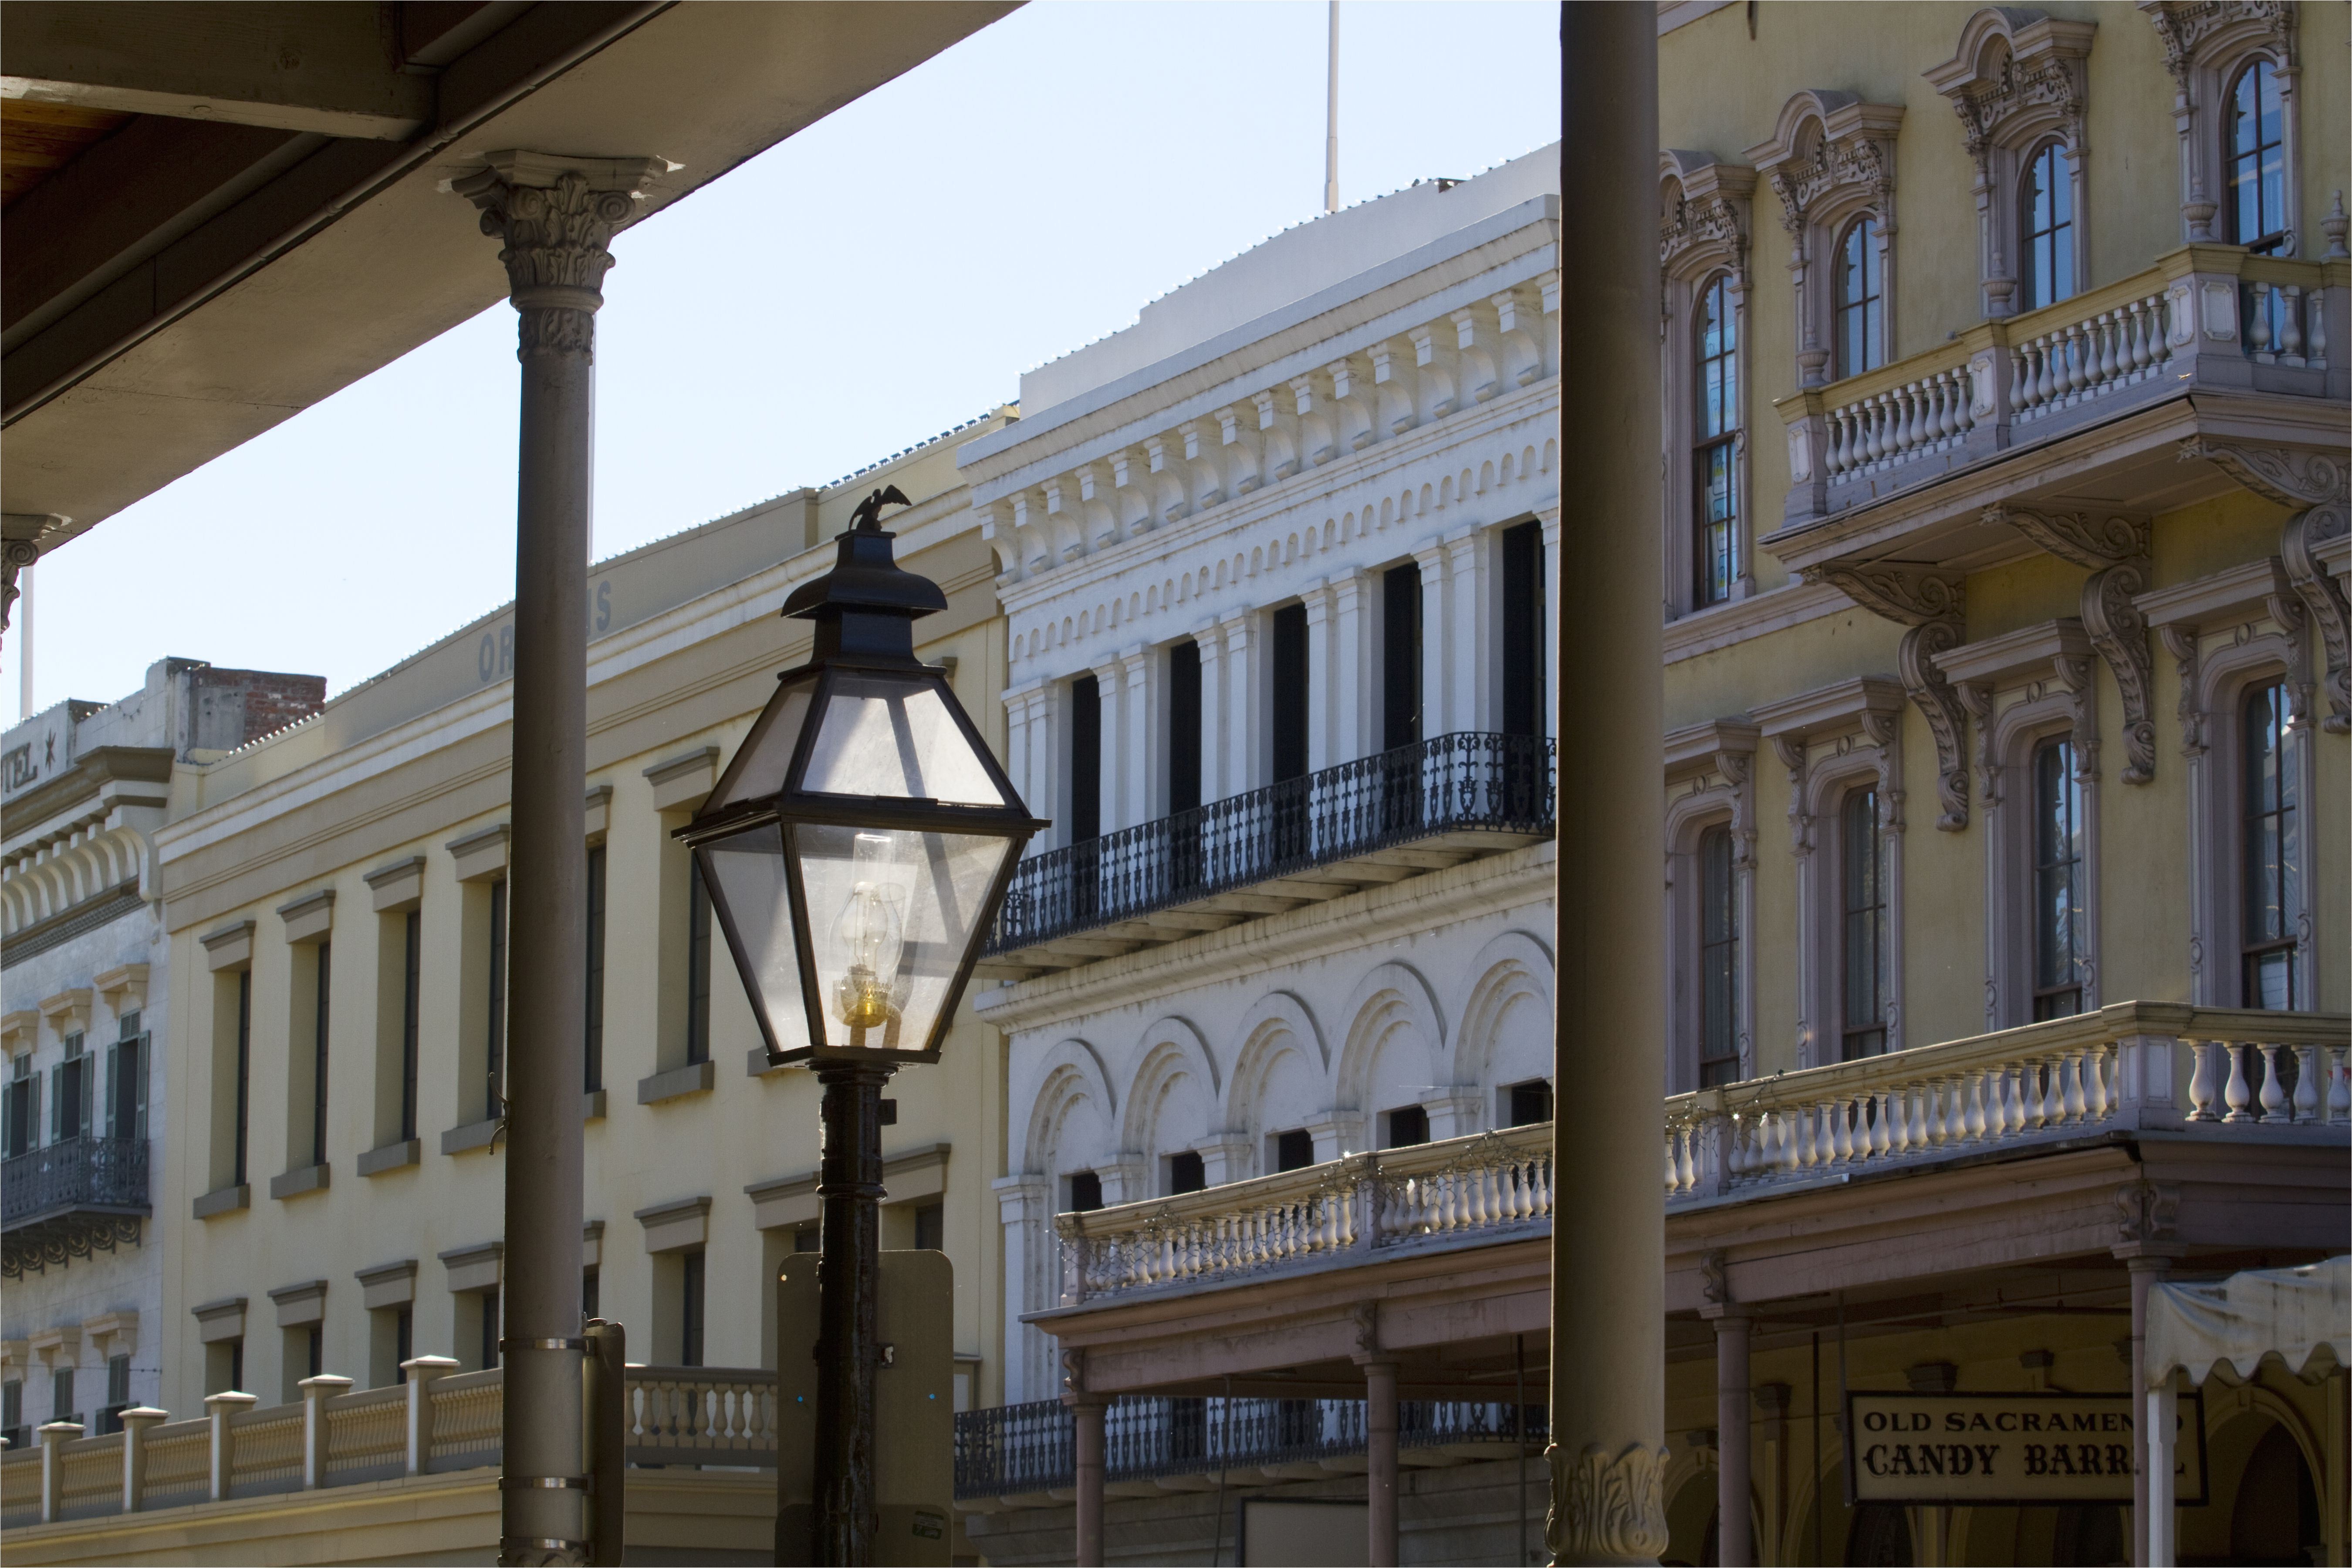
(2261, 332)
(2097, 1096)
(2110, 328)
(2239, 1094)
(1899, 1131)
(1829, 1127)
(2306, 1083)
(2290, 322)
(1913, 434)
(2315, 345)
(1956, 1108)
(2078, 366)
(1856, 438)
(2201, 1084)
(2078, 1103)
(1931, 393)
(1689, 1168)
(2133, 360)
(1882, 1137)
(2037, 1094)
(1841, 1126)
(2274, 1097)
(2021, 381)
(2045, 381)
(2339, 1085)
(1972, 1091)
(1956, 403)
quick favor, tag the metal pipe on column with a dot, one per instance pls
(1086, 1412)
(1735, 1546)
(2147, 1265)
(1608, 1345)
(555, 216)
(1380, 1462)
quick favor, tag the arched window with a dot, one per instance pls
(2047, 222)
(1863, 955)
(2274, 902)
(1861, 331)
(2058, 914)
(1715, 487)
(2257, 151)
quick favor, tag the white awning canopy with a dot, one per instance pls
(2292, 1313)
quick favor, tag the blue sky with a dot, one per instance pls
(883, 275)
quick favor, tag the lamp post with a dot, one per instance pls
(857, 850)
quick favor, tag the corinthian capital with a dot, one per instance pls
(554, 217)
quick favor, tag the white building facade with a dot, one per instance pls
(86, 972)
(1271, 568)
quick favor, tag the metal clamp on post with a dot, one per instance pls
(506, 1345)
(512, 1543)
(552, 1483)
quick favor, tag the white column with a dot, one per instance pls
(315, 1392)
(1437, 652)
(1355, 667)
(1549, 519)
(1024, 1206)
(1029, 749)
(1244, 709)
(1324, 695)
(1144, 740)
(1110, 679)
(1213, 787)
(222, 1409)
(1476, 632)
(2163, 1415)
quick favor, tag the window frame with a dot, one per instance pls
(2206, 60)
(1703, 246)
(1870, 304)
(2272, 241)
(2066, 281)
(2287, 769)
(1717, 396)
(2066, 784)
(1879, 914)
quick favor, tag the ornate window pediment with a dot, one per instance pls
(1704, 215)
(2205, 44)
(1831, 160)
(2019, 79)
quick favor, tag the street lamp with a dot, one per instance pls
(857, 850)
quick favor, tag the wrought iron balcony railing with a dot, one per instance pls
(1469, 783)
(1010, 1450)
(63, 1201)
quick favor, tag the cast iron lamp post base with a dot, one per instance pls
(848, 1273)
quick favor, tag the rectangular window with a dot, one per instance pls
(1187, 1172)
(494, 1100)
(808, 1239)
(931, 1228)
(1085, 1192)
(2272, 900)
(1293, 1149)
(117, 1393)
(1864, 944)
(1528, 1104)
(314, 1350)
(1404, 1127)
(404, 1336)
(698, 964)
(126, 1105)
(594, 1052)
(319, 1062)
(1718, 961)
(61, 1396)
(18, 1127)
(12, 1414)
(1183, 725)
(1085, 760)
(412, 974)
(237, 1364)
(1401, 657)
(592, 1294)
(489, 1330)
(689, 1310)
(244, 1072)
(1290, 694)
(70, 1093)
(1523, 629)
(2057, 882)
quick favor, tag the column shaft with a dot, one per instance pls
(1088, 1414)
(1380, 1458)
(1608, 1347)
(849, 1333)
(1734, 1548)
(2145, 1272)
(1212, 639)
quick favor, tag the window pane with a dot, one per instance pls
(759, 766)
(2058, 936)
(1864, 934)
(890, 915)
(892, 737)
(1718, 961)
(747, 880)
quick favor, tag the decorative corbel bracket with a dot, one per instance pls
(2119, 629)
(2317, 485)
(2074, 536)
(1933, 604)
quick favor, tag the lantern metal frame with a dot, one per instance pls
(864, 609)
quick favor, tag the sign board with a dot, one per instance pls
(2009, 1449)
(1301, 1533)
(914, 1416)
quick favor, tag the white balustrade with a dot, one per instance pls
(1923, 416)
(2087, 359)
(676, 1415)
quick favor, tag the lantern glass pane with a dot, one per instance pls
(745, 873)
(759, 766)
(891, 915)
(895, 737)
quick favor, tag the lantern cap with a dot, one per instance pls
(866, 605)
